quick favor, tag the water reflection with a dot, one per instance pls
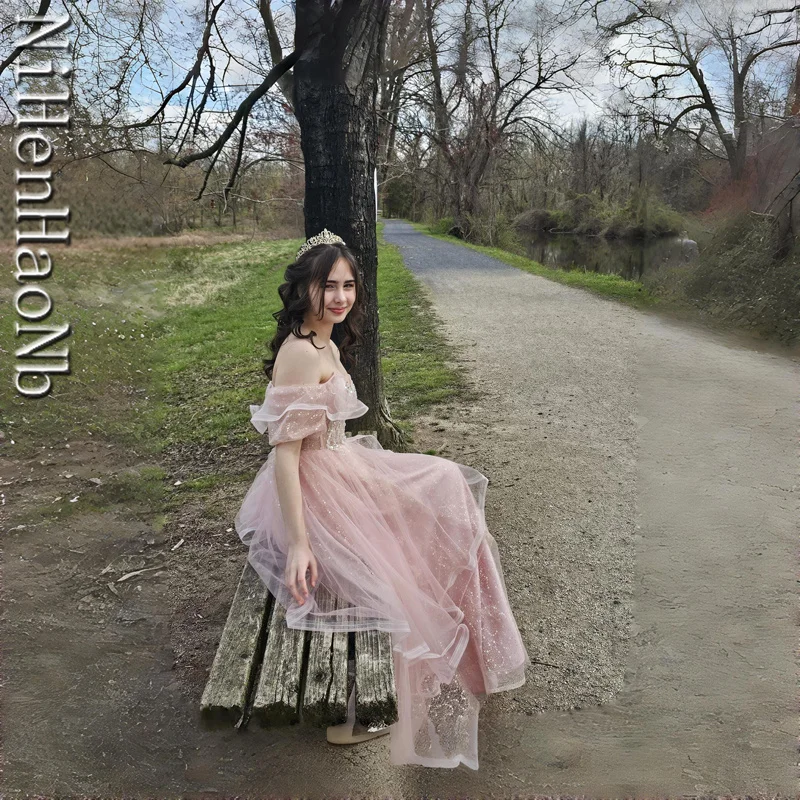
(630, 259)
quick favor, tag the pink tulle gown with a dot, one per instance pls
(402, 539)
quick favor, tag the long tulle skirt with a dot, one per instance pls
(402, 540)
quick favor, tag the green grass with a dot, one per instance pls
(210, 350)
(104, 297)
(612, 286)
(415, 355)
(167, 347)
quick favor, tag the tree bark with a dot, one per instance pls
(335, 88)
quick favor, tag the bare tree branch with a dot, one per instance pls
(44, 6)
(241, 112)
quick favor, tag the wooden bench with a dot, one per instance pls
(284, 676)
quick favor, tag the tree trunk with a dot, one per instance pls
(469, 179)
(334, 99)
(392, 91)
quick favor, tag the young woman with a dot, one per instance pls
(399, 538)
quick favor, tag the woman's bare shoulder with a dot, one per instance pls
(294, 345)
(297, 362)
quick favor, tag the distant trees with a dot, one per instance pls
(471, 110)
(711, 70)
(479, 131)
(487, 69)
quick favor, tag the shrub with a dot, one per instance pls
(587, 214)
(442, 226)
(642, 217)
(664, 221)
(540, 219)
(583, 206)
(499, 232)
(738, 278)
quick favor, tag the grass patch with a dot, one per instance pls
(109, 301)
(211, 343)
(143, 487)
(416, 358)
(613, 286)
(204, 482)
(167, 344)
(127, 309)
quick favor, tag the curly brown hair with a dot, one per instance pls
(312, 269)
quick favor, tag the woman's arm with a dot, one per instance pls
(287, 478)
(300, 367)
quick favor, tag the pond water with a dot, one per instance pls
(630, 259)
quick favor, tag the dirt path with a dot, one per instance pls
(602, 410)
(594, 419)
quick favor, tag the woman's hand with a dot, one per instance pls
(298, 561)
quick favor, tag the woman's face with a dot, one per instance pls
(340, 293)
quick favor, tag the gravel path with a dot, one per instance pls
(556, 435)
(641, 493)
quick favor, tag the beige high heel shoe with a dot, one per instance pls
(353, 732)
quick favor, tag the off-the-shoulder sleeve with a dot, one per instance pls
(289, 413)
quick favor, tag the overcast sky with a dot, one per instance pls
(182, 32)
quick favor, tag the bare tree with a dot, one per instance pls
(214, 115)
(665, 55)
(403, 53)
(492, 66)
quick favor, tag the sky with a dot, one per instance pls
(181, 33)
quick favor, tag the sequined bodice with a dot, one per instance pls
(334, 437)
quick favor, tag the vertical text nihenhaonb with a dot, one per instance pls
(43, 96)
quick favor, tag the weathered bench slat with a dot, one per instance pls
(255, 618)
(376, 698)
(325, 695)
(233, 668)
(295, 664)
(277, 693)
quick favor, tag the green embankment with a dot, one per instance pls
(166, 353)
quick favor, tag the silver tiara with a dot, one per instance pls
(324, 237)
